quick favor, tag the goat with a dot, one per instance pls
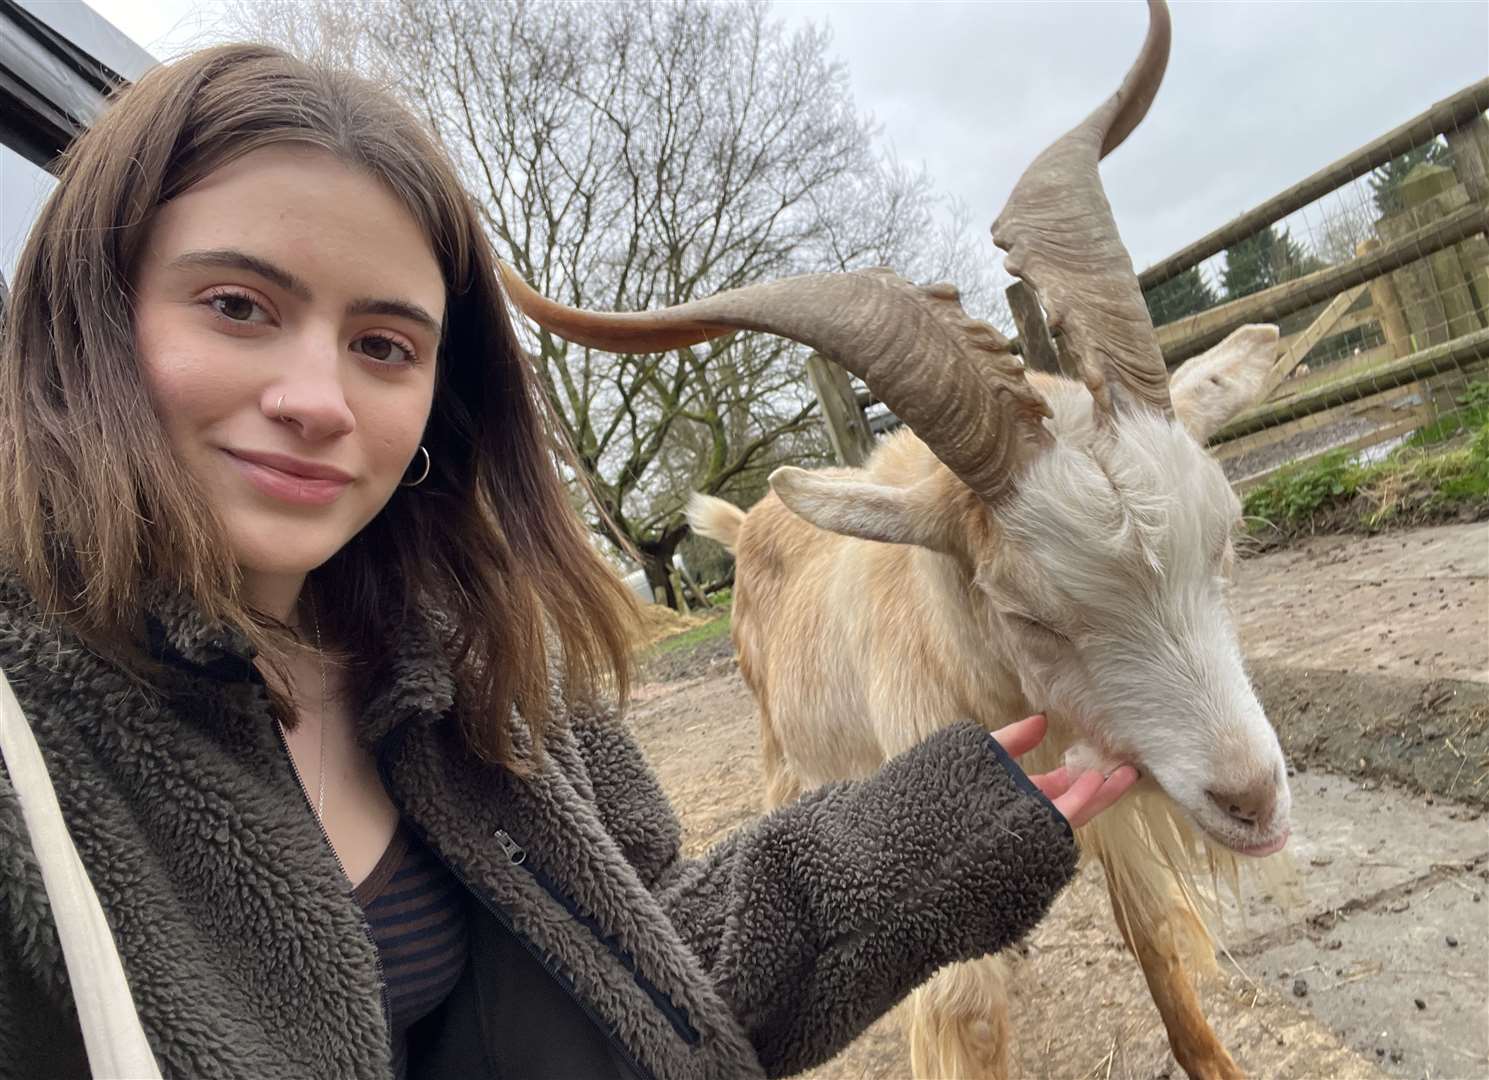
(1030, 544)
(872, 607)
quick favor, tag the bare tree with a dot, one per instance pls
(629, 156)
(1345, 223)
(333, 33)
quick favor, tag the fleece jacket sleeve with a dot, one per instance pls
(817, 918)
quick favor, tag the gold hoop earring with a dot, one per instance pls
(423, 475)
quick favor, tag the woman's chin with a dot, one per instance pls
(284, 549)
(272, 572)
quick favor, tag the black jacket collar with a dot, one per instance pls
(413, 680)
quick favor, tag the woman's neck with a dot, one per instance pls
(274, 595)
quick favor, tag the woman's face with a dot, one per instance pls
(287, 319)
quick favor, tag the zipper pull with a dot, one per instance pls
(515, 854)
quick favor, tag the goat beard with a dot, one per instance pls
(1082, 757)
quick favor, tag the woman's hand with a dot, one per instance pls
(1078, 801)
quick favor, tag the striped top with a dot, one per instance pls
(416, 910)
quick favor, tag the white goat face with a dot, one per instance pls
(1110, 581)
(1106, 569)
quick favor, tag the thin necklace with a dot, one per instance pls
(320, 796)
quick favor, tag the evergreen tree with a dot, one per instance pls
(1187, 294)
(1262, 260)
(1385, 181)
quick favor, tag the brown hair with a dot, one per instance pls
(95, 504)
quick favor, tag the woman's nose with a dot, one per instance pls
(312, 399)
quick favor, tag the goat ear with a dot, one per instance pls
(1215, 386)
(860, 508)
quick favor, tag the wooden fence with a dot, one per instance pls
(1373, 347)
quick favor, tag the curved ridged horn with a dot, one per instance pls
(1061, 238)
(950, 377)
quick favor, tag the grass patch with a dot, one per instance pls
(1472, 413)
(1443, 470)
(715, 628)
(1293, 494)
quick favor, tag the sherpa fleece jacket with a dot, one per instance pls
(596, 949)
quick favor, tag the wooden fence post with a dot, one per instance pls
(676, 583)
(852, 441)
(1470, 147)
(1036, 345)
(1433, 287)
(1387, 303)
(1436, 196)
(698, 594)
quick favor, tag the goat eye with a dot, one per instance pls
(1039, 630)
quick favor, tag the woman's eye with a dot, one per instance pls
(385, 350)
(236, 307)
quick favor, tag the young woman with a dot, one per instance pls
(313, 647)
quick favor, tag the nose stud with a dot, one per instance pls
(279, 409)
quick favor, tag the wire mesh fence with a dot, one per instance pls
(1380, 287)
(1376, 271)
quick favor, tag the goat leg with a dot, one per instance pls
(1152, 939)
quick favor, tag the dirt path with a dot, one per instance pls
(1371, 656)
(1413, 604)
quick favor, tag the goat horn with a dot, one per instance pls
(950, 377)
(1060, 236)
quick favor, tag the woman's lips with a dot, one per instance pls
(287, 486)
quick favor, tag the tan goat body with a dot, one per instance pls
(856, 649)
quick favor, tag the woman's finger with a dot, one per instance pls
(1078, 794)
(1054, 783)
(1089, 797)
(1021, 736)
(1117, 784)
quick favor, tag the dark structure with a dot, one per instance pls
(58, 64)
(50, 87)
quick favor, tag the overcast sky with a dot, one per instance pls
(1257, 96)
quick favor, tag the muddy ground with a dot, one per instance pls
(1371, 656)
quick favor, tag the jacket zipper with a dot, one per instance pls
(517, 857)
(382, 976)
(501, 916)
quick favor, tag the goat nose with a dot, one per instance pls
(1250, 806)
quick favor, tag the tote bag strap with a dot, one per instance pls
(111, 1027)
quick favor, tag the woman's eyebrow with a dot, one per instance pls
(233, 259)
(402, 309)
